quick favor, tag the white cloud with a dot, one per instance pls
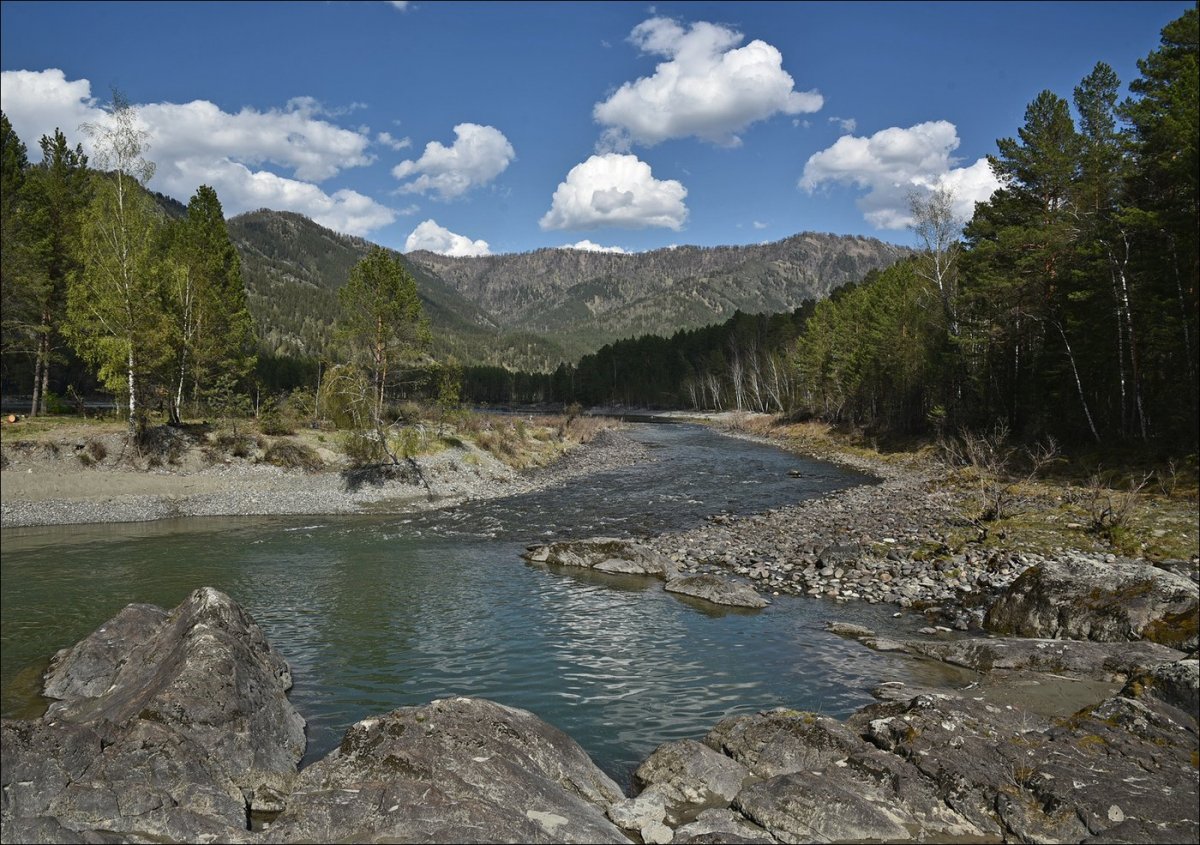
(478, 155)
(430, 236)
(388, 140)
(399, 5)
(846, 124)
(708, 87)
(615, 190)
(892, 163)
(198, 143)
(588, 246)
(758, 224)
(242, 189)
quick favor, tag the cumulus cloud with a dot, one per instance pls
(430, 236)
(399, 5)
(758, 224)
(707, 87)
(478, 155)
(388, 140)
(892, 163)
(198, 143)
(588, 246)
(846, 124)
(615, 190)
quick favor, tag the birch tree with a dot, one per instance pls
(115, 317)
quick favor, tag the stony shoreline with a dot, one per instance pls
(869, 543)
(241, 489)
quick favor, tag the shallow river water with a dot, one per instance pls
(378, 612)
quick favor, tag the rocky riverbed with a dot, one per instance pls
(880, 543)
(175, 726)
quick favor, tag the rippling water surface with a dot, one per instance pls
(375, 613)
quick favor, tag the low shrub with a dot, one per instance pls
(291, 455)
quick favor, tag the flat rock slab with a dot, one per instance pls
(717, 590)
(1080, 658)
(1109, 601)
(605, 554)
(455, 770)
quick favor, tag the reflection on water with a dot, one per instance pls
(380, 612)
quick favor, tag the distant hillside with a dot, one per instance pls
(294, 267)
(585, 299)
(532, 310)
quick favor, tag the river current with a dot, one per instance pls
(378, 612)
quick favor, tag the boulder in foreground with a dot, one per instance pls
(454, 770)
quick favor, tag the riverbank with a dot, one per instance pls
(86, 474)
(915, 539)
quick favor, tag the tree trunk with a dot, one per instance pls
(1078, 384)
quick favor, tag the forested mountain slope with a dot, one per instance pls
(532, 310)
(294, 268)
(585, 299)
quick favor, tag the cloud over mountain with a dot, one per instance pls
(430, 236)
(198, 143)
(478, 155)
(614, 190)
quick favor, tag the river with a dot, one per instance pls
(378, 612)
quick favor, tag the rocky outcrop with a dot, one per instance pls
(716, 589)
(166, 726)
(952, 767)
(455, 770)
(205, 671)
(1110, 601)
(604, 554)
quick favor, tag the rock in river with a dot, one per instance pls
(606, 554)
(717, 590)
(167, 726)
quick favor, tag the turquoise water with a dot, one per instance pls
(375, 613)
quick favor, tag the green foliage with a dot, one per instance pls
(382, 320)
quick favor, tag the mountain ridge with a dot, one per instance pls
(531, 310)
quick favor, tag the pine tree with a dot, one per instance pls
(17, 310)
(213, 333)
(55, 194)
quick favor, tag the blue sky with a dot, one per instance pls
(503, 127)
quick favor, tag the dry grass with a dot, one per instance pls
(289, 454)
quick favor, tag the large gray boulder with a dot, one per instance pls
(715, 589)
(455, 770)
(145, 782)
(605, 554)
(1082, 598)
(1120, 770)
(205, 671)
(167, 727)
